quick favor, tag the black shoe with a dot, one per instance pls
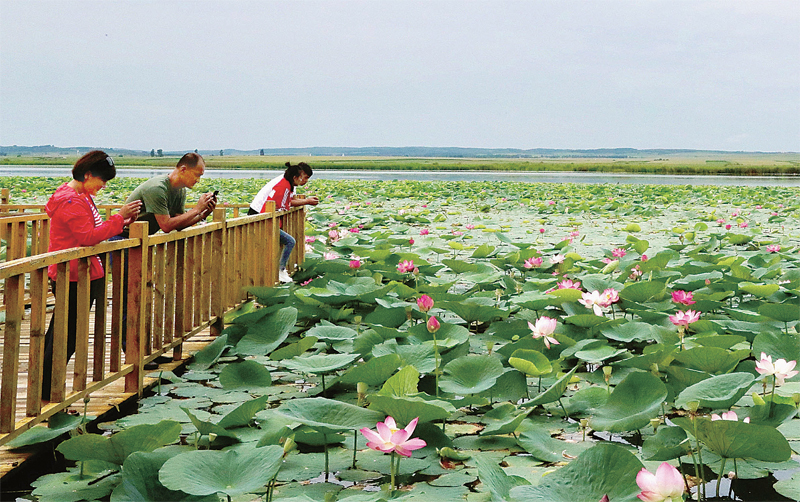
(152, 365)
(162, 360)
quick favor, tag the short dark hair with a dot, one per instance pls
(190, 160)
(294, 170)
(96, 162)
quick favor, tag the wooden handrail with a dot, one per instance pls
(178, 284)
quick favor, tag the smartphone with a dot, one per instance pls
(216, 192)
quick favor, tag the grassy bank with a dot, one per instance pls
(732, 164)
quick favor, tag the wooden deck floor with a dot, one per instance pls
(100, 402)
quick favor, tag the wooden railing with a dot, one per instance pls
(178, 284)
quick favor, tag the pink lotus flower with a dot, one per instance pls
(683, 297)
(569, 284)
(390, 438)
(682, 318)
(607, 260)
(743, 224)
(411, 242)
(533, 262)
(333, 225)
(433, 325)
(354, 230)
(330, 256)
(618, 252)
(728, 226)
(310, 239)
(425, 303)
(593, 300)
(720, 220)
(666, 485)
(354, 264)
(729, 415)
(551, 203)
(636, 273)
(424, 231)
(405, 266)
(333, 235)
(773, 213)
(773, 248)
(456, 232)
(574, 233)
(543, 328)
(608, 297)
(644, 257)
(306, 282)
(541, 230)
(734, 214)
(469, 226)
(781, 369)
(559, 258)
(758, 206)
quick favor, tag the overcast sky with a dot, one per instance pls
(181, 75)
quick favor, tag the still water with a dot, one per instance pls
(529, 177)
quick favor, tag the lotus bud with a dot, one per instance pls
(654, 423)
(425, 303)
(361, 389)
(607, 373)
(288, 446)
(758, 400)
(357, 319)
(693, 406)
(584, 423)
(433, 325)
(416, 270)
(796, 399)
(731, 475)
(489, 346)
(211, 437)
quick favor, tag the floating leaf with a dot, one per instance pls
(718, 392)
(245, 375)
(470, 374)
(631, 405)
(328, 415)
(116, 448)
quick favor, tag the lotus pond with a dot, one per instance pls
(544, 341)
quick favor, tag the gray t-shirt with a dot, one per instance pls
(158, 197)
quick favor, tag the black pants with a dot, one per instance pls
(96, 291)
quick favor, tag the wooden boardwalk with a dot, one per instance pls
(101, 401)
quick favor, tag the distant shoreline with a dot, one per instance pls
(738, 164)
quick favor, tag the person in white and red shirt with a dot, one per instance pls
(281, 190)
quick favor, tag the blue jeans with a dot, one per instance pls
(288, 242)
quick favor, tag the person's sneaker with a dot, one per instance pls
(284, 276)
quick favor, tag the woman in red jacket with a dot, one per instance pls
(75, 221)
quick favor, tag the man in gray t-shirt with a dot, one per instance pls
(164, 197)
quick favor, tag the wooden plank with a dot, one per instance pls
(11, 342)
(39, 289)
(180, 290)
(100, 312)
(117, 308)
(60, 316)
(205, 278)
(158, 294)
(137, 267)
(82, 324)
(148, 304)
(170, 289)
(197, 279)
(218, 274)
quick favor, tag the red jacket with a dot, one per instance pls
(72, 224)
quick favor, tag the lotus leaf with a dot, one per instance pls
(631, 405)
(605, 469)
(402, 383)
(115, 449)
(496, 480)
(268, 333)
(58, 424)
(530, 362)
(711, 359)
(554, 393)
(732, 439)
(470, 374)
(210, 354)
(717, 392)
(140, 479)
(373, 372)
(641, 292)
(245, 375)
(320, 363)
(232, 472)
(406, 409)
(667, 443)
(328, 416)
(294, 349)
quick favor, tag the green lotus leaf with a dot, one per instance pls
(449, 335)
(717, 392)
(245, 375)
(565, 295)
(402, 383)
(739, 239)
(641, 292)
(57, 425)
(331, 333)
(660, 355)
(470, 374)
(323, 363)
(268, 333)
(632, 404)
(75, 485)
(605, 469)
(496, 480)
(789, 488)
(784, 312)
(759, 290)
(206, 428)
(598, 351)
(294, 349)
(711, 359)
(232, 472)
(586, 401)
(538, 442)
(483, 251)
(140, 479)
(243, 414)
(373, 372)
(530, 362)
(475, 310)
(116, 448)
(629, 331)
(586, 320)
(210, 354)
(328, 416)
(731, 439)
(406, 409)
(667, 443)
(421, 357)
(553, 393)
(504, 426)
(721, 341)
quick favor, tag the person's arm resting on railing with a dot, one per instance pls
(204, 207)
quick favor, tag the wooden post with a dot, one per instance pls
(82, 325)
(5, 196)
(218, 273)
(8, 388)
(159, 295)
(118, 286)
(180, 287)
(39, 289)
(100, 308)
(59, 363)
(169, 291)
(273, 245)
(137, 270)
